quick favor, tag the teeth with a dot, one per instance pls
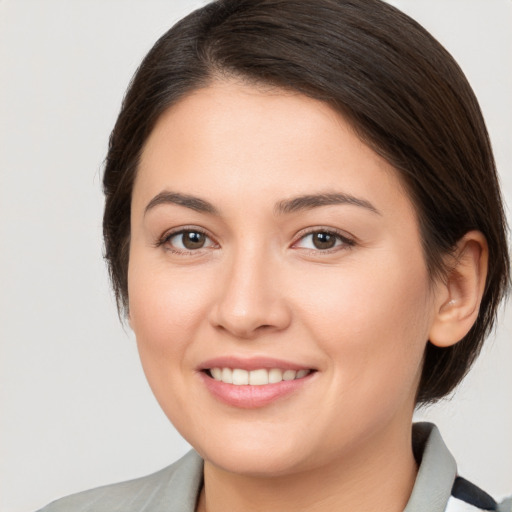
(260, 377)
(240, 377)
(227, 375)
(289, 375)
(275, 375)
(216, 373)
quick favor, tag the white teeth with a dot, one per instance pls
(275, 375)
(240, 377)
(216, 373)
(227, 375)
(289, 375)
(259, 377)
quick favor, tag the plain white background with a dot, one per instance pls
(76, 411)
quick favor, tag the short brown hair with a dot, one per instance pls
(400, 89)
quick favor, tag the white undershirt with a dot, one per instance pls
(455, 505)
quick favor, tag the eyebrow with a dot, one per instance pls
(295, 204)
(192, 202)
(310, 201)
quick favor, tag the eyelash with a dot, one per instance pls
(164, 240)
(346, 242)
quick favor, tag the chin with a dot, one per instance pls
(254, 463)
(252, 455)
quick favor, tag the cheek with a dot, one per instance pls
(166, 311)
(381, 300)
(373, 324)
(165, 307)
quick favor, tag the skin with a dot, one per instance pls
(360, 314)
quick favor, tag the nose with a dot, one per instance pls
(250, 301)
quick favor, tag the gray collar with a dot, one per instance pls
(437, 470)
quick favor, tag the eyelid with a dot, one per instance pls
(346, 239)
(167, 235)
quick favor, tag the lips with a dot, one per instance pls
(255, 382)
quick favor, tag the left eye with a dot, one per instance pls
(189, 240)
(322, 240)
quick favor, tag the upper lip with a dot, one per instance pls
(252, 363)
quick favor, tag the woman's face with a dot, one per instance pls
(270, 245)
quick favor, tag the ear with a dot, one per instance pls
(458, 297)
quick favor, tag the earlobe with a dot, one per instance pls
(458, 297)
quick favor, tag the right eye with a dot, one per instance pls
(187, 240)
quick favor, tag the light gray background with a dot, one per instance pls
(76, 411)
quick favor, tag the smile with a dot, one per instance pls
(258, 377)
(261, 383)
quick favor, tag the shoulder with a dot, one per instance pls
(438, 486)
(173, 488)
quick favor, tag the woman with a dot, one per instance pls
(304, 228)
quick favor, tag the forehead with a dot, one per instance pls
(233, 140)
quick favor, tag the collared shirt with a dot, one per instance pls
(176, 488)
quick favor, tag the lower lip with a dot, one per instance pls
(252, 397)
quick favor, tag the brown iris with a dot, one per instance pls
(323, 240)
(193, 239)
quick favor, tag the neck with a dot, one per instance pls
(379, 477)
